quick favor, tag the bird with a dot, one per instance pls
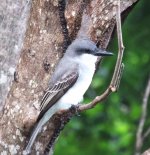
(69, 82)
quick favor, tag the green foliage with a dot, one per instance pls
(110, 128)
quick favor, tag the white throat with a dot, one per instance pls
(87, 59)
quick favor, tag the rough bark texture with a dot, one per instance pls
(42, 44)
(13, 17)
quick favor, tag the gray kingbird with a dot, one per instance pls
(69, 82)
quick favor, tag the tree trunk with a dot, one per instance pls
(42, 48)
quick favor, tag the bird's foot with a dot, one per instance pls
(74, 109)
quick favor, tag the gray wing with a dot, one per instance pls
(57, 90)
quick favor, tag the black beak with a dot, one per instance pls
(101, 52)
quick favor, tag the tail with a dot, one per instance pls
(38, 128)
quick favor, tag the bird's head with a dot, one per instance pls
(86, 46)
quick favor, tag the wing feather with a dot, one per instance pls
(56, 91)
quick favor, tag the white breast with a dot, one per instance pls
(86, 71)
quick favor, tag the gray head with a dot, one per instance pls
(86, 46)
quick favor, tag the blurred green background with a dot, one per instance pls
(111, 127)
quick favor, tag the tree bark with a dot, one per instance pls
(13, 17)
(42, 46)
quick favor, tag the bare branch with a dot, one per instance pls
(139, 136)
(120, 47)
(96, 100)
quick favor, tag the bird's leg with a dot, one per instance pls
(74, 109)
(63, 22)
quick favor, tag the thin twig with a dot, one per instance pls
(120, 47)
(139, 136)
